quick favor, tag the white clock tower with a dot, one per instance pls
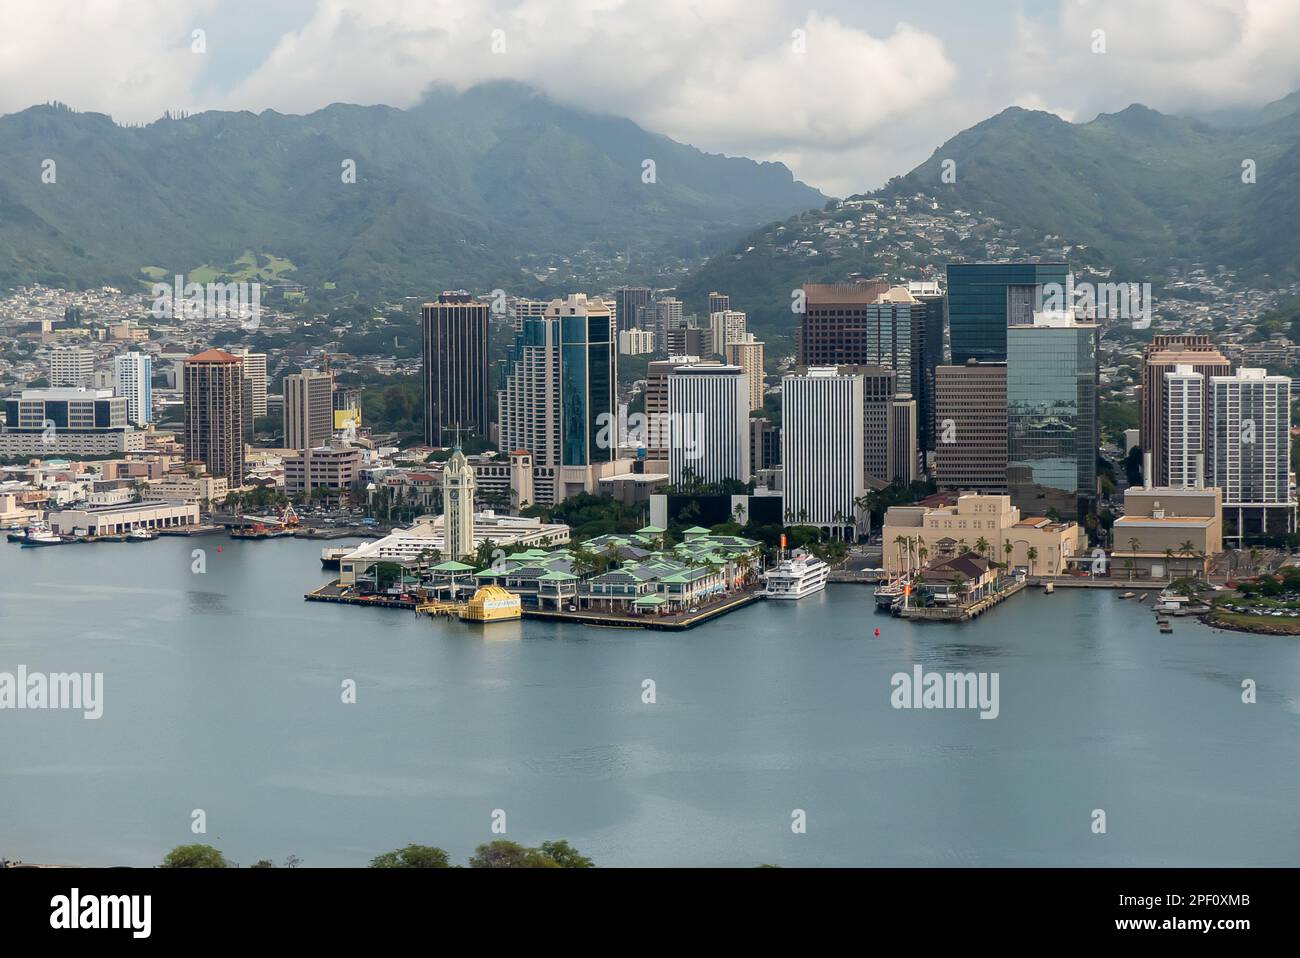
(458, 506)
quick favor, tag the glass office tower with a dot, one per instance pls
(984, 299)
(1052, 427)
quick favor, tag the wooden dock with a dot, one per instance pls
(962, 613)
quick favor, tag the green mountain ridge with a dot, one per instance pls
(488, 188)
(1137, 192)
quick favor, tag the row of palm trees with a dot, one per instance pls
(1187, 550)
(907, 546)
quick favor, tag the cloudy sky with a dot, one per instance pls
(845, 92)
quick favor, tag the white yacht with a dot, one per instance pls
(39, 534)
(800, 575)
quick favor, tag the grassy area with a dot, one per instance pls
(1255, 623)
(251, 267)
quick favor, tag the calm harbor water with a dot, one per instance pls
(222, 693)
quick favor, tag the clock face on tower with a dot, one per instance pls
(454, 495)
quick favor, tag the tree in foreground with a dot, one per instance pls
(194, 856)
(565, 855)
(412, 856)
(507, 854)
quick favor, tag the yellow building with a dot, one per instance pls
(492, 604)
(932, 532)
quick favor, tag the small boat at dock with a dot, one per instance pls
(1127, 595)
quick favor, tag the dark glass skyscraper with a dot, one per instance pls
(986, 298)
(455, 367)
(1052, 428)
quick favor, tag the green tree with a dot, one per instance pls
(506, 854)
(412, 856)
(194, 856)
(565, 855)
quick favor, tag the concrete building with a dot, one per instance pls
(214, 413)
(1165, 354)
(205, 490)
(255, 375)
(72, 367)
(308, 409)
(1167, 532)
(636, 342)
(970, 450)
(455, 368)
(336, 466)
(1250, 451)
(629, 301)
(904, 454)
(120, 519)
(67, 421)
(747, 353)
(821, 450)
(657, 431)
(860, 324)
(1183, 429)
(708, 423)
(727, 326)
(954, 528)
(133, 381)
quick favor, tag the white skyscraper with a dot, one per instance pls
(71, 366)
(1184, 427)
(1250, 460)
(134, 382)
(728, 326)
(708, 414)
(255, 374)
(822, 449)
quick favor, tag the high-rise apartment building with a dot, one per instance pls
(1250, 443)
(748, 355)
(727, 326)
(719, 303)
(72, 367)
(214, 387)
(970, 450)
(133, 377)
(821, 450)
(1183, 429)
(984, 299)
(455, 367)
(708, 423)
(255, 373)
(1052, 416)
(667, 314)
(308, 409)
(1164, 354)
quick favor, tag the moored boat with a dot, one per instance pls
(800, 575)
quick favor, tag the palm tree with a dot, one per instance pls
(1134, 546)
(899, 540)
(922, 554)
(1128, 564)
(1169, 561)
(1187, 550)
(1033, 557)
(982, 547)
(1007, 549)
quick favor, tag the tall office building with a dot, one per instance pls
(133, 375)
(255, 373)
(821, 450)
(628, 303)
(1164, 354)
(878, 391)
(1250, 442)
(984, 299)
(667, 314)
(455, 367)
(859, 324)
(904, 454)
(719, 303)
(558, 398)
(656, 403)
(214, 388)
(72, 367)
(709, 423)
(458, 485)
(748, 355)
(308, 409)
(1183, 428)
(970, 414)
(927, 354)
(727, 326)
(764, 445)
(688, 341)
(1052, 422)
